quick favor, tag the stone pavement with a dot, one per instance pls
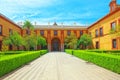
(61, 66)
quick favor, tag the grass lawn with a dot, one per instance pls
(9, 61)
(107, 59)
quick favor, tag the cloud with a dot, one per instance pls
(23, 3)
(44, 11)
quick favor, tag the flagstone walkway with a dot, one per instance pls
(61, 66)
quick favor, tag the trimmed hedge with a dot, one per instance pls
(12, 52)
(14, 61)
(105, 51)
(111, 62)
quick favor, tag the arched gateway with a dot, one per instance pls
(55, 44)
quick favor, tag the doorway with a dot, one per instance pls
(55, 44)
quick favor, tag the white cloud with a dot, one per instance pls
(20, 10)
(26, 3)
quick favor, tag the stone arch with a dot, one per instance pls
(55, 44)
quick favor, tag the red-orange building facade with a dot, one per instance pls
(55, 34)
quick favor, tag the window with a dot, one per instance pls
(42, 32)
(27, 32)
(81, 32)
(90, 34)
(0, 45)
(101, 31)
(10, 31)
(96, 33)
(114, 43)
(68, 32)
(97, 45)
(55, 33)
(0, 30)
(113, 26)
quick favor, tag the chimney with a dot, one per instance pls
(113, 5)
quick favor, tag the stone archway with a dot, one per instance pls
(55, 45)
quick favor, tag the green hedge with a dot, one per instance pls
(12, 52)
(14, 61)
(105, 51)
(111, 62)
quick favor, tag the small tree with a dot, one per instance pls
(41, 41)
(85, 41)
(71, 41)
(14, 39)
(30, 42)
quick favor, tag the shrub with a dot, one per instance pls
(111, 62)
(12, 62)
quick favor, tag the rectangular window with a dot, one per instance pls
(10, 31)
(28, 32)
(81, 32)
(96, 33)
(97, 45)
(114, 43)
(90, 34)
(0, 30)
(42, 32)
(113, 26)
(55, 33)
(68, 32)
(0, 45)
(101, 31)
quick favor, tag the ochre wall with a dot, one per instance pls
(6, 26)
(62, 33)
(105, 40)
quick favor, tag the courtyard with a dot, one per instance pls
(49, 40)
(60, 66)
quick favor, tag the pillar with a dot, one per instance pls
(49, 47)
(49, 40)
(62, 40)
(62, 47)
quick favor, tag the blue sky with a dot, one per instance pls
(81, 12)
